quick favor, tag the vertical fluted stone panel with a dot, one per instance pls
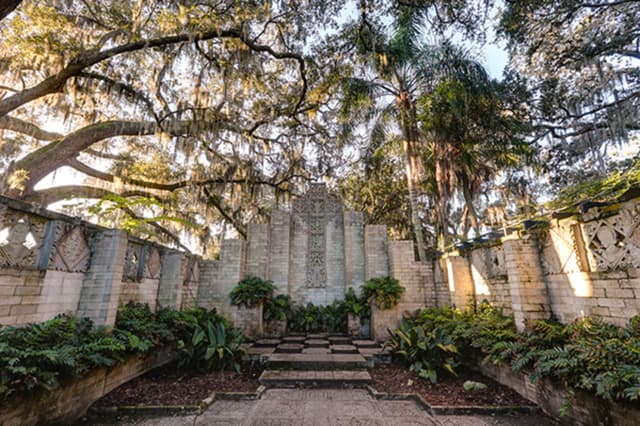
(354, 257)
(376, 254)
(279, 243)
(100, 292)
(257, 250)
(171, 280)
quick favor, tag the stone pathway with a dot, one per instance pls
(320, 407)
(315, 380)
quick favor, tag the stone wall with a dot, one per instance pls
(51, 263)
(71, 401)
(587, 264)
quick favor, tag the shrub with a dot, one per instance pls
(425, 351)
(252, 291)
(210, 342)
(312, 318)
(385, 292)
(277, 309)
(39, 357)
(357, 305)
(588, 354)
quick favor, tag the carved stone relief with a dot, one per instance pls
(317, 209)
(614, 242)
(153, 263)
(71, 251)
(132, 262)
(20, 239)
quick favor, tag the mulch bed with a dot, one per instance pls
(396, 379)
(171, 386)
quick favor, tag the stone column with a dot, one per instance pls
(460, 279)
(100, 292)
(279, 241)
(208, 277)
(354, 258)
(171, 280)
(257, 250)
(376, 256)
(529, 297)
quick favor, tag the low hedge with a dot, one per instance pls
(40, 357)
(588, 354)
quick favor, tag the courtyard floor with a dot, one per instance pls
(310, 407)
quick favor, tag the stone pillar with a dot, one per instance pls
(354, 258)
(230, 272)
(417, 279)
(529, 297)
(208, 277)
(171, 280)
(100, 292)
(257, 250)
(376, 256)
(279, 241)
(460, 280)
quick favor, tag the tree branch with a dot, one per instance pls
(20, 126)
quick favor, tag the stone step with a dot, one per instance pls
(343, 349)
(264, 343)
(366, 343)
(340, 340)
(315, 378)
(293, 339)
(315, 361)
(289, 348)
(316, 351)
(316, 343)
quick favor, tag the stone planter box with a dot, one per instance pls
(71, 401)
(358, 328)
(275, 328)
(586, 409)
(248, 320)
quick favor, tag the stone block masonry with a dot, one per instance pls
(588, 264)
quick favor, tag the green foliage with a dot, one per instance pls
(313, 318)
(39, 357)
(277, 309)
(607, 188)
(252, 291)
(471, 386)
(357, 305)
(212, 344)
(588, 354)
(385, 292)
(425, 351)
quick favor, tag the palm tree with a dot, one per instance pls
(396, 71)
(472, 136)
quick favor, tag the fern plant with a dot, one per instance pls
(384, 292)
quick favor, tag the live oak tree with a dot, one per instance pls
(581, 61)
(186, 111)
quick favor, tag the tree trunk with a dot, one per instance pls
(413, 167)
(468, 200)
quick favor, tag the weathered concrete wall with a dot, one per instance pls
(417, 279)
(588, 264)
(51, 264)
(71, 401)
(30, 296)
(586, 409)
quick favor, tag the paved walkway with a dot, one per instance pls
(311, 407)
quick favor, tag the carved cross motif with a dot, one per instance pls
(317, 209)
